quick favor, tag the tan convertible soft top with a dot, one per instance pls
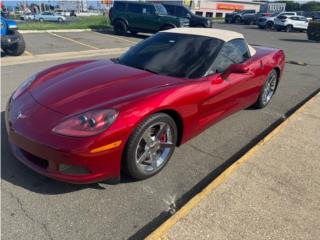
(223, 35)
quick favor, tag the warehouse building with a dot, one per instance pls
(211, 8)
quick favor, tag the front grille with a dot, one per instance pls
(40, 162)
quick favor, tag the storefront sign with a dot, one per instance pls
(231, 7)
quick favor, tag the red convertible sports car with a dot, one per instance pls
(86, 121)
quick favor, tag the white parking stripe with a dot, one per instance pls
(60, 56)
(72, 40)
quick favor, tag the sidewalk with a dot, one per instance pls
(274, 194)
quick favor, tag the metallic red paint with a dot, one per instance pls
(73, 88)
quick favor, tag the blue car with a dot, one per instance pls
(12, 42)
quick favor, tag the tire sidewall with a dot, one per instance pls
(129, 155)
(120, 28)
(260, 103)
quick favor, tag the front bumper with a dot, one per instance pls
(62, 158)
(8, 40)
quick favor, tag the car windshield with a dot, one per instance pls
(173, 54)
(161, 9)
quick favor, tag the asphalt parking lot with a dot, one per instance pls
(34, 207)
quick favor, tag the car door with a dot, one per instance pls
(235, 91)
(134, 15)
(303, 23)
(151, 21)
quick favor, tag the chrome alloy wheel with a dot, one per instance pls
(155, 147)
(269, 88)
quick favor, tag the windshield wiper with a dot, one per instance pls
(149, 70)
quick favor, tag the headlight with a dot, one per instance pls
(23, 86)
(87, 124)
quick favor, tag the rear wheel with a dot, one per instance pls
(60, 20)
(166, 27)
(150, 146)
(237, 20)
(268, 90)
(17, 48)
(120, 27)
(41, 20)
(289, 28)
(269, 25)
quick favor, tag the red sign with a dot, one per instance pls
(226, 6)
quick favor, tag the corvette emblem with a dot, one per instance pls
(20, 116)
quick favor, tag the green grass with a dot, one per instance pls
(92, 22)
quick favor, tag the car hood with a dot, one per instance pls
(100, 83)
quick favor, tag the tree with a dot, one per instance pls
(311, 6)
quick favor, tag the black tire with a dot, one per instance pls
(289, 28)
(199, 26)
(166, 27)
(269, 25)
(237, 20)
(134, 33)
(120, 27)
(41, 20)
(260, 103)
(17, 48)
(60, 20)
(130, 163)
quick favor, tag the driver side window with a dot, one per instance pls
(232, 52)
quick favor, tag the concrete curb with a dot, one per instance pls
(60, 56)
(159, 233)
(63, 30)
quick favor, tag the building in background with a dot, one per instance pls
(77, 5)
(211, 8)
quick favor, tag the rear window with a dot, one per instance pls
(136, 8)
(120, 6)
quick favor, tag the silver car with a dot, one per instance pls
(50, 17)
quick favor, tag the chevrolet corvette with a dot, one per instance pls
(88, 121)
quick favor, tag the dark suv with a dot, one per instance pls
(181, 11)
(237, 16)
(142, 17)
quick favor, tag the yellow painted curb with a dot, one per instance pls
(159, 233)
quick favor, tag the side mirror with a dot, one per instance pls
(237, 68)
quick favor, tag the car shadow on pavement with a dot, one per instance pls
(15, 172)
(110, 32)
(296, 40)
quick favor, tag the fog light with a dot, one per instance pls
(73, 169)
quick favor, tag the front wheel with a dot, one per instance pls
(268, 90)
(150, 146)
(41, 20)
(120, 27)
(17, 48)
(60, 20)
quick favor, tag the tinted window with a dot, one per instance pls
(150, 9)
(174, 54)
(181, 12)
(120, 6)
(170, 9)
(136, 8)
(234, 51)
(161, 9)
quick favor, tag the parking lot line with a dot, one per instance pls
(72, 40)
(120, 38)
(159, 233)
(28, 53)
(61, 56)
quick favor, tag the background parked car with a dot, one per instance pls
(27, 17)
(253, 18)
(183, 12)
(291, 23)
(237, 16)
(313, 31)
(50, 17)
(267, 22)
(62, 12)
(142, 17)
(12, 42)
